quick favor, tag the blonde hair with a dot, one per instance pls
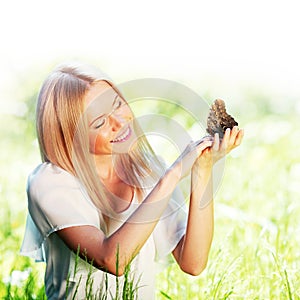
(63, 135)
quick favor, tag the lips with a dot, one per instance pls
(123, 136)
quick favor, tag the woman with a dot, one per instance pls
(101, 202)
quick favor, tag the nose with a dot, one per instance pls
(116, 121)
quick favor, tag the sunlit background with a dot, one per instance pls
(215, 45)
(246, 52)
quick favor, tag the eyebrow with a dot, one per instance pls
(113, 103)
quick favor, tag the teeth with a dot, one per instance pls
(122, 137)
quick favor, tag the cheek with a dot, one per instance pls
(129, 114)
(97, 143)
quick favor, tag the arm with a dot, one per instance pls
(133, 234)
(192, 251)
(128, 239)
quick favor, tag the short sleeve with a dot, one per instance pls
(171, 227)
(56, 200)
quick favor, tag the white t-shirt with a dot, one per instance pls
(56, 200)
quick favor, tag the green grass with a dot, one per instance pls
(255, 252)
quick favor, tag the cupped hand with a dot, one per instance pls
(184, 163)
(220, 147)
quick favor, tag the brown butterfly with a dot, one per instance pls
(218, 119)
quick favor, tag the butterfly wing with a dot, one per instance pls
(218, 119)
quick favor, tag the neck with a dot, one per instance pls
(105, 168)
(113, 182)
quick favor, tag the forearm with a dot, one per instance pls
(125, 242)
(193, 250)
(195, 246)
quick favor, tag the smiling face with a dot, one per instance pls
(109, 120)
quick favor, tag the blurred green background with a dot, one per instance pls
(246, 54)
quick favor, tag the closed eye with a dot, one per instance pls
(99, 123)
(118, 103)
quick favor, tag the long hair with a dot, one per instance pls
(62, 132)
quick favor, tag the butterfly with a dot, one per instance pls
(218, 119)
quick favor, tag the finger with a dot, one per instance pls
(233, 135)
(208, 137)
(204, 145)
(239, 137)
(216, 143)
(225, 140)
(204, 139)
(195, 148)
